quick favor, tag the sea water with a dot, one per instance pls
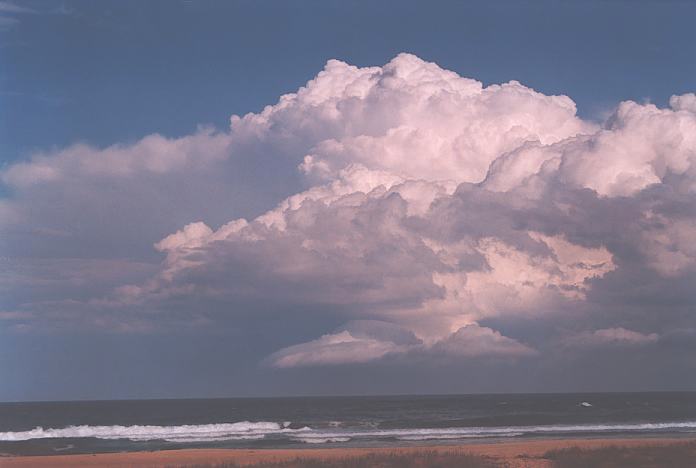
(95, 426)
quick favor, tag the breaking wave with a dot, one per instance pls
(244, 430)
(250, 431)
(318, 439)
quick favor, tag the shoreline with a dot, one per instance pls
(527, 453)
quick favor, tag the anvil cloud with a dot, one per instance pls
(424, 210)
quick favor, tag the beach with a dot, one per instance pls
(517, 454)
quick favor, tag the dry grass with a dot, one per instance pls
(426, 458)
(679, 455)
(672, 455)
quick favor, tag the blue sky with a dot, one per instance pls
(113, 71)
(412, 221)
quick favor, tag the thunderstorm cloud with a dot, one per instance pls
(433, 216)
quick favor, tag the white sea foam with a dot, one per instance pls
(319, 440)
(509, 431)
(222, 438)
(245, 430)
(456, 436)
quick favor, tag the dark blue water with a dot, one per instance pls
(73, 427)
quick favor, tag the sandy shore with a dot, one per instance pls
(515, 454)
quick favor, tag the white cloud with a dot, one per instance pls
(669, 244)
(339, 348)
(639, 145)
(366, 345)
(152, 154)
(475, 341)
(416, 120)
(9, 7)
(356, 342)
(613, 336)
(408, 195)
(685, 102)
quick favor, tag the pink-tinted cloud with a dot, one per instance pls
(418, 198)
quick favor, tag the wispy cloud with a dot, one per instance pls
(10, 13)
(612, 336)
(9, 7)
(7, 22)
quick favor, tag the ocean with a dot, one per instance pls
(110, 426)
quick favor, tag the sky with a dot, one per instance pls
(207, 199)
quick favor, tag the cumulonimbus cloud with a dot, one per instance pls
(428, 201)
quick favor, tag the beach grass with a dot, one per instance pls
(420, 459)
(677, 455)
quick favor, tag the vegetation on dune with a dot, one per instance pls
(678, 455)
(426, 458)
